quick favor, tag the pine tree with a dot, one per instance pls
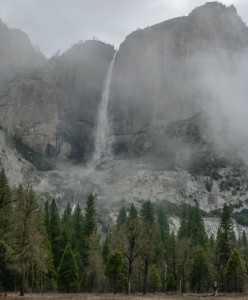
(154, 279)
(5, 192)
(67, 217)
(106, 249)
(78, 223)
(172, 256)
(68, 272)
(47, 217)
(55, 233)
(225, 238)
(133, 213)
(115, 268)
(244, 250)
(183, 229)
(198, 233)
(90, 216)
(199, 274)
(225, 235)
(147, 213)
(5, 213)
(163, 225)
(148, 241)
(121, 218)
(29, 252)
(234, 272)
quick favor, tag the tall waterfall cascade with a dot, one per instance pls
(103, 142)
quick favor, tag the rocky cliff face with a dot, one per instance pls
(52, 105)
(155, 99)
(156, 69)
(54, 109)
(18, 58)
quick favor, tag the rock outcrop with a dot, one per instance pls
(54, 110)
(18, 58)
(156, 69)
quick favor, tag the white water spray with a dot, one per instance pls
(103, 143)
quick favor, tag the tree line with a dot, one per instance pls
(43, 251)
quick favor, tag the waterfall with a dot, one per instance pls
(103, 144)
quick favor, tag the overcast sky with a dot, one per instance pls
(57, 24)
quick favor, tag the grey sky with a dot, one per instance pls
(57, 24)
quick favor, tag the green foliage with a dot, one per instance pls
(90, 216)
(47, 217)
(199, 275)
(106, 249)
(192, 226)
(225, 235)
(68, 279)
(172, 256)
(197, 230)
(163, 224)
(171, 284)
(121, 218)
(55, 233)
(242, 217)
(154, 279)
(133, 213)
(115, 268)
(183, 229)
(234, 272)
(147, 212)
(36, 159)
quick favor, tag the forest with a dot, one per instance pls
(42, 250)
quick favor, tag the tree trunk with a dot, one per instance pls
(235, 283)
(115, 283)
(145, 276)
(22, 283)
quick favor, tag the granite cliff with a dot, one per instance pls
(164, 113)
(155, 77)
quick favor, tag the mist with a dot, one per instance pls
(222, 82)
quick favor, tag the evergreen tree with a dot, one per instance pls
(225, 235)
(199, 236)
(199, 270)
(183, 229)
(5, 192)
(55, 233)
(212, 242)
(163, 225)
(67, 217)
(133, 213)
(244, 250)
(121, 218)
(5, 213)
(68, 272)
(154, 279)
(147, 213)
(47, 217)
(106, 249)
(115, 268)
(90, 216)
(29, 252)
(148, 238)
(78, 223)
(234, 272)
(172, 256)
